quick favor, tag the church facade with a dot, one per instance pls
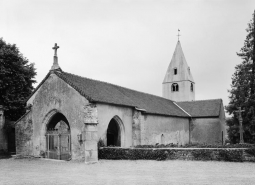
(68, 114)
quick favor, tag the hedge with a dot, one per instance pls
(133, 154)
(196, 145)
(234, 155)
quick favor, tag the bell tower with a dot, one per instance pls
(178, 84)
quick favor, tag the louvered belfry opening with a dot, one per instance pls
(113, 134)
(58, 138)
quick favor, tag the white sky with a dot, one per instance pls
(131, 43)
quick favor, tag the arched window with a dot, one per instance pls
(191, 87)
(175, 71)
(175, 87)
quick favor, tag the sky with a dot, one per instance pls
(131, 42)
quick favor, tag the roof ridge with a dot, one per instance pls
(198, 100)
(152, 103)
(117, 86)
(182, 109)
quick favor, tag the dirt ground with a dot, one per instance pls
(41, 171)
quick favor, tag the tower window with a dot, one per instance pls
(175, 71)
(175, 87)
(191, 87)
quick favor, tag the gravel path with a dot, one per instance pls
(41, 171)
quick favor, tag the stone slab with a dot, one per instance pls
(89, 127)
(91, 156)
(90, 145)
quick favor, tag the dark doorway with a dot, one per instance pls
(11, 141)
(113, 134)
(58, 138)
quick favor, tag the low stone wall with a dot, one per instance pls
(205, 154)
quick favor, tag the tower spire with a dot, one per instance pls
(178, 34)
(178, 84)
(55, 58)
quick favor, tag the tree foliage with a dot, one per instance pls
(242, 90)
(16, 80)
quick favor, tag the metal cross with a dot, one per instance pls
(239, 111)
(178, 34)
(55, 48)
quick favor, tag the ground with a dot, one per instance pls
(41, 171)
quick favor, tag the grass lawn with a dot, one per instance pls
(41, 171)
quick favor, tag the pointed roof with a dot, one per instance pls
(102, 92)
(97, 91)
(178, 61)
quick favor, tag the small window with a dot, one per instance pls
(175, 87)
(162, 139)
(175, 71)
(191, 87)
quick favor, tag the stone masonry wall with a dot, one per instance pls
(206, 130)
(54, 96)
(3, 138)
(24, 133)
(136, 128)
(164, 130)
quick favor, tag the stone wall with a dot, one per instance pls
(136, 128)
(209, 130)
(206, 130)
(52, 97)
(3, 138)
(24, 135)
(184, 93)
(164, 130)
(123, 115)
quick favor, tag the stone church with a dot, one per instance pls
(68, 114)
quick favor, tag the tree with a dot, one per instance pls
(16, 80)
(242, 90)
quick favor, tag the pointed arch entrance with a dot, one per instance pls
(58, 138)
(115, 132)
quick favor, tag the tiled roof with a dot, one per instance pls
(97, 91)
(202, 108)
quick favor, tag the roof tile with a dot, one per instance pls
(202, 108)
(103, 92)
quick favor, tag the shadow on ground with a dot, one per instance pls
(4, 155)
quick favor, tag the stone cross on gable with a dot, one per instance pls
(239, 111)
(55, 48)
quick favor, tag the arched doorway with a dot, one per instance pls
(114, 133)
(58, 138)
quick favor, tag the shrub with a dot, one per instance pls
(42, 154)
(230, 155)
(197, 145)
(133, 154)
(100, 143)
(202, 154)
(163, 154)
(251, 151)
